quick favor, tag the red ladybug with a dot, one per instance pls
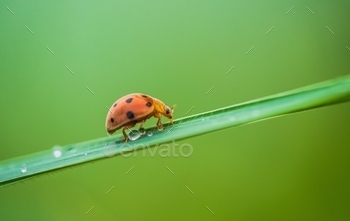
(136, 108)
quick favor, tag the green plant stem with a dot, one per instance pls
(322, 94)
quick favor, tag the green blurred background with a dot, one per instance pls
(290, 168)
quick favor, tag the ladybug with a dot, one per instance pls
(135, 108)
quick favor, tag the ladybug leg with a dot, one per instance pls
(159, 125)
(125, 136)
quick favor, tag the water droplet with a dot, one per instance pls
(134, 135)
(57, 151)
(149, 133)
(142, 130)
(24, 168)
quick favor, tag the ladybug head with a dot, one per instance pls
(169, 112)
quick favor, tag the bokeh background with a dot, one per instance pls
(289, 168)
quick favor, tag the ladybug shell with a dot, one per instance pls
(129, 110)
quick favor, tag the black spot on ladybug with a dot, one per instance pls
(115, 105)
(112, 120)
(130, 114)
(144, 95)
(129, 100)
(167, 111)
(148, 104)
